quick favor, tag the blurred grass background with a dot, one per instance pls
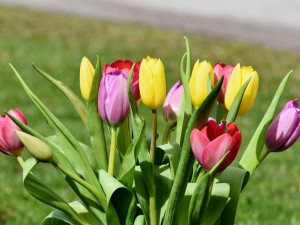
(56, 43)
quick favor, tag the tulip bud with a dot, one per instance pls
(198, 82)
(285, 129)
(87, 72)
(37, 148)
(125, 66)
(172, 102)
(211, 143)
(220, 69)
(236, 81)
(113, 103)
(152, 82)
(9, 141)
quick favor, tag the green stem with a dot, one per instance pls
(153, 141)
(153, 208)
(85, 184)
(20, 160)
(201, 174)
(263, 156)
(168, 130)
(112, 155)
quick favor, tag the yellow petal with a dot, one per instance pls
(233, 86)
(192, 82)
(250, 94)
(86, 77)
(146, 85)
(211, 74)
(159, 83)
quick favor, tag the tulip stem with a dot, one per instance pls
(94, 191)
(20, 160)
(168, 130)
(153, 142)
(112, 155)
(263, 155)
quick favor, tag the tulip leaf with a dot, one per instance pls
(198, 119)
(140, 220)
(121, 202)
(73, 98)
(43, 193)
(126, 175)
(251, 156)
(65, 136)
(188, 59)
(236, 178)
(95, 124)
(199, 201)
(209, 84)
(123, 138)
(234, 109)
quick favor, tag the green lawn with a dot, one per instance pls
(57, 43)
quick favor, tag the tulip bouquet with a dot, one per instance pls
(184, 180)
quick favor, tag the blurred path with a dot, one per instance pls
(274, 23)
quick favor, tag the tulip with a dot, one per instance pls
(86, 77)
(236, 81)
(220, 69)
(125, 66)
(152, 82)
(211, 144)
(172, 102)
(198, 82)
(9, 141)
(113, 103)
(285, 129)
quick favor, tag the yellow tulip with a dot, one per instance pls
(198, 82)
(86, 77)
(238, 77)
(152, 82)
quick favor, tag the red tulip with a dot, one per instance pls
(9, 141)
(211, 143)
(125, 66)
(221, 69)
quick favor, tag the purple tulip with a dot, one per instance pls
(113, 103)
(285, 129)
(9, 141)
(172, 102)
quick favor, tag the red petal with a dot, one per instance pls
(212, 130)
(122, 64)
(198, 142)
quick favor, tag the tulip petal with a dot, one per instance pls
(159, 83)
(198, 143)
(212, 130)
(101, 98)
(146, 85)
(86, 77)
(233, 86)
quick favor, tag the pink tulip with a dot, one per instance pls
(9, 141)
(172, 102)
(221, 69)
(211, 143)
(285, 129)
(125, 66)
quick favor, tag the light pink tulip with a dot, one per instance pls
(9, 141)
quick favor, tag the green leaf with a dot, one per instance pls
(120, 200)
(95, 124)
(236, 178)
(126, 175)
(123, 138)
(251, 156)
(73, 98)
(199, 119)
(140, 220)
(199, 201)
(234, 109)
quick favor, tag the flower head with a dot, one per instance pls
(172, 102)
(285, 129)
(86, 77)
(9, 141)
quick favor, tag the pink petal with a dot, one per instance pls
(198, 142)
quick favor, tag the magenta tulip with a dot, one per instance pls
(125, 66)
(285, 129)
(211, 143)
(9, 141)
(172, 102)
(220, 69)
(113, 103)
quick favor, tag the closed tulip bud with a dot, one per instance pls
(113, 103)
(220, 69)
(236, 81)
(211, 144)
(37, 148)
(125, 66)
(172, 102)
(198, 82)
(86, 77)
(152, 82)
(10, 144)
(285, 129)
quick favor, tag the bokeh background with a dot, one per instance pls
(55, 35)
